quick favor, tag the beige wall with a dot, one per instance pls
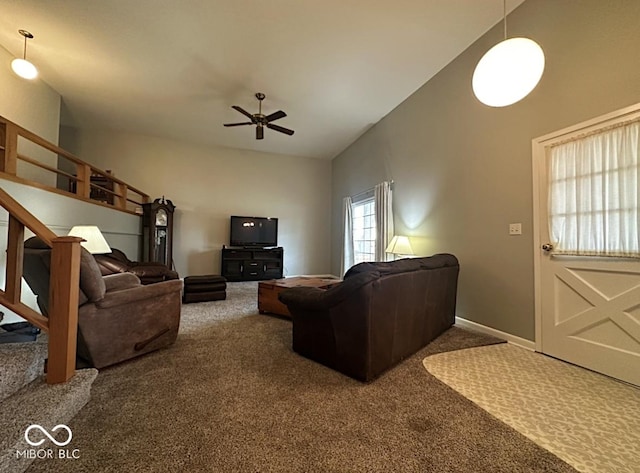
(463, 171)
(207, 185)
(35, 106)
(31, 104)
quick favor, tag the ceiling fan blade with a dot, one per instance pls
(281, 129)
(244, 112)
(275, 116)
(238, 124)
(259, 132)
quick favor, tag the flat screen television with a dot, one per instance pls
(253, 231)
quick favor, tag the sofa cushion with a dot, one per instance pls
(322, 299)
(404, 265)
(39, 254)
(359, 269)
(385, 267)
(148, 271)
(91, 282)
(440, 260)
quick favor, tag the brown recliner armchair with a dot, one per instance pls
(118, 318)
(379, 315)
(148, 272)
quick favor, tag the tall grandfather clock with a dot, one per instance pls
(157, 231)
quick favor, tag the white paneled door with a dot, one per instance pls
(587, 307)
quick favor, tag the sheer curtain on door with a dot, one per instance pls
(594, 196)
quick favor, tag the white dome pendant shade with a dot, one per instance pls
(508, 72)
(22, 67)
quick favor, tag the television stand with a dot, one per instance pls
(252, 264)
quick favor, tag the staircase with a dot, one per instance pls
(27, 395)
(27, 399)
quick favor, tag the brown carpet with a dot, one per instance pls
(236, 398)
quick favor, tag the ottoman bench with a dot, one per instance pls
(204, 288)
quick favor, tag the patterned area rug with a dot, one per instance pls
(587, 419)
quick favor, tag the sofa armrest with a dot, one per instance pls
(138, 293)
(148, 263)
(304, 298)
(109, 265)
(153, 271)
(313, 298)
(119, 281)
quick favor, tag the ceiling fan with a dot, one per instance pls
(261, 120)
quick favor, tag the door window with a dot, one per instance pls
(594, 197)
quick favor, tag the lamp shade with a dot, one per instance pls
(400, 246)
(508, 72)
(94, 241)
(24, 69)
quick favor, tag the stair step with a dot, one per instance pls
(20, 364)
(44, 404)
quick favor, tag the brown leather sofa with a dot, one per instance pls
(118, 318)
(148, 272)
(379, 315)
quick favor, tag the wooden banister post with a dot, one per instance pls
(121, 198)
(83, 185)
(15, 254)
(8, 148)
(63, 308)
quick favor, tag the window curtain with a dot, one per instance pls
(384, 219)
(347, 257)
(594, 197)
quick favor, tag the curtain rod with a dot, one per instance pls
(371, 189)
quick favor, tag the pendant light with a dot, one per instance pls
(509, 71)
(22, 67)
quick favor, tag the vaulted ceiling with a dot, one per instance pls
(174, 68)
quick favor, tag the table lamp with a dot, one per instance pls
(400, 246)
(94, 241)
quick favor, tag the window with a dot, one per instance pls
(594, 196)
(368, 226)
(364, 230)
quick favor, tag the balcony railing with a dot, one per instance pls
(49, 167)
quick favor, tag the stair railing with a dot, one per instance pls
(62, 323)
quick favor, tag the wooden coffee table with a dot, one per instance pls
(268, 291)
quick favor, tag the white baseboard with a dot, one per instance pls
(521, 342)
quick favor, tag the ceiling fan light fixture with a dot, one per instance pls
(509, 71)
(260, 120)
(22, 67)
